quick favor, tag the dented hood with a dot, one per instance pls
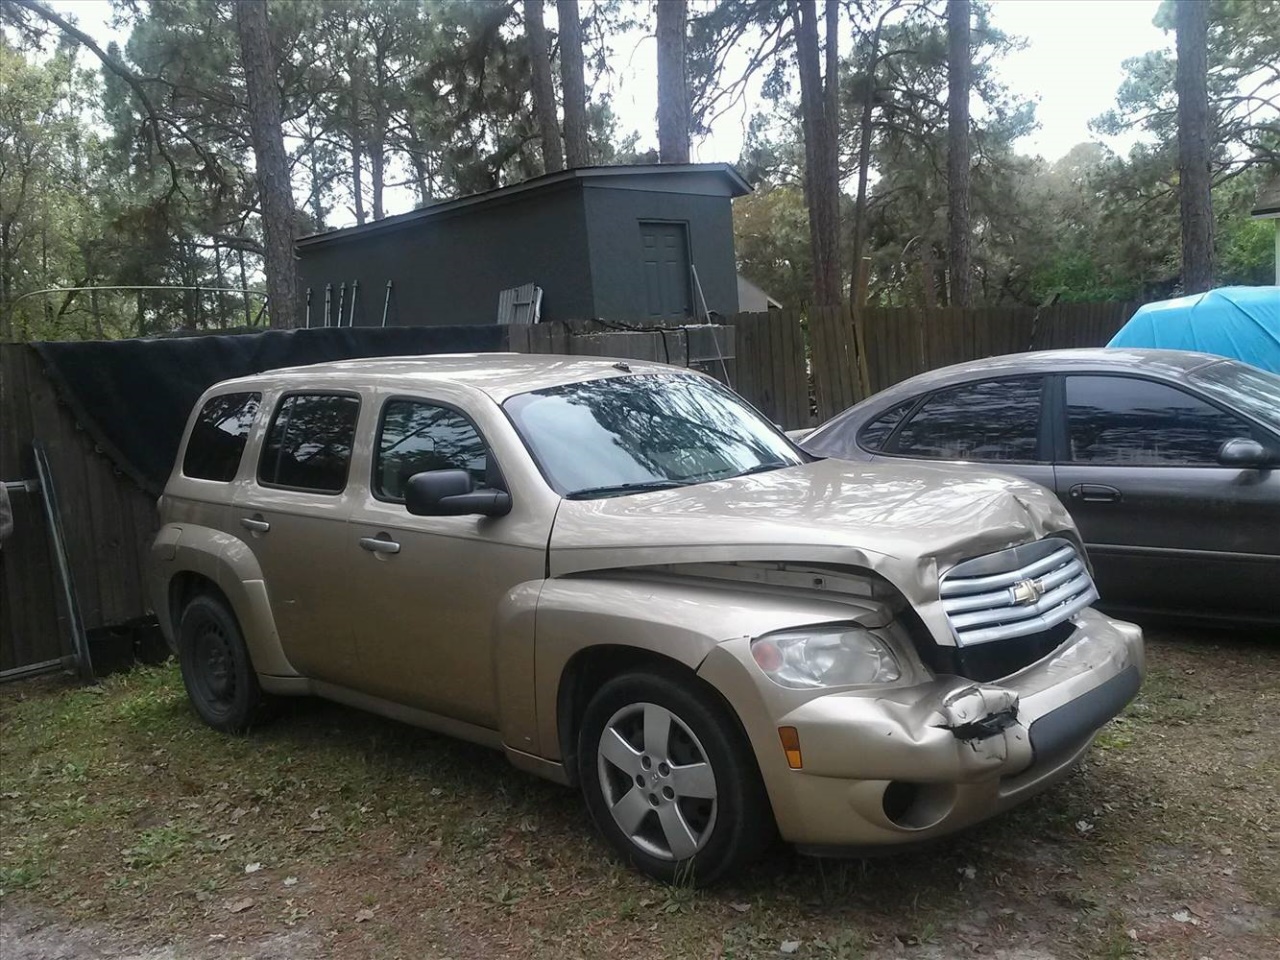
(909, 523)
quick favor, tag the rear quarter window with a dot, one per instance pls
(219, 436)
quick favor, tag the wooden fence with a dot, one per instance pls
(851, 354)
(107, 519)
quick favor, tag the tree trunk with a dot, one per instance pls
(544, 91)
(377, 158)
(959, 67)
(357, 177)
(864, 160)
(378, 138)
(417, 157)
(673, 83)
(574, 84)
(270, 160)
(1191, 21)
(821, 175)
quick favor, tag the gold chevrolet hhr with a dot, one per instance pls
(623, 577)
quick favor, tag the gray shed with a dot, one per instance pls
(626, 243)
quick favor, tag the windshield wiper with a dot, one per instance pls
(619, 489)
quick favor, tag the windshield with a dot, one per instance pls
(624, 435)
(1250, 390)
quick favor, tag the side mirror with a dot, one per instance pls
(450, 493)
(1241, 452)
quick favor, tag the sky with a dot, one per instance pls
(1072, 67)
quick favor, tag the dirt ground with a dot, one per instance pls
(128, 830)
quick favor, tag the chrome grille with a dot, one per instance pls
(1016, 592)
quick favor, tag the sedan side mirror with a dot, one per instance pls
(1242, 452)
(450, 493)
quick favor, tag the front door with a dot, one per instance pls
(292, 515)
(665, 253)
(433, 587)
(1166, 525)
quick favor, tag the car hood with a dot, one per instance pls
(908, 523)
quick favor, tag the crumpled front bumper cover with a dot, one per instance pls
(953, 751)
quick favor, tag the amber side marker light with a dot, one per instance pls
(790, 738)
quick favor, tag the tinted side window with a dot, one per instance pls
(415, 436)
(309, 444)
(994, 420)
(219, 436)
(875, 433)
(1130, 421)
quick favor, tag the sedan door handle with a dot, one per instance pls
(1095, 493)
(380, 544)
(256, 524)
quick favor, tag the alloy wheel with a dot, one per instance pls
(656, 781)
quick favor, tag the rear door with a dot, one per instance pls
(994, 423)
(1166, 525)
(292, 514)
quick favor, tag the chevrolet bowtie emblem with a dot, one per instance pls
(1027, 592)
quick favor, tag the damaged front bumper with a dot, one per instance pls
(914, 762)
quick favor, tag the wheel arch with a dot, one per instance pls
(210, 561)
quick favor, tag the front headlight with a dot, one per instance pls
(825, 656)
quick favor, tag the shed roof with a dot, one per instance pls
(722, 172)
(1268, 204)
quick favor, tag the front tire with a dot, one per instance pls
(670, 780)
(216, 670)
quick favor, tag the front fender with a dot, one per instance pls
(230, 564)
(680, 620)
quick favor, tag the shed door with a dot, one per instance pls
(665, 248)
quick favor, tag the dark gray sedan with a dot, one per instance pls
(1169, 462)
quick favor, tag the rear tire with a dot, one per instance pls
(670, 779)
(216, 669)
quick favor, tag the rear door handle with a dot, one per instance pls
(1095, 493)
(380, 544)
(255, 523)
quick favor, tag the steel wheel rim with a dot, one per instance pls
(657, 781)
(215, 676)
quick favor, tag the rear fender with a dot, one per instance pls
(229, 563)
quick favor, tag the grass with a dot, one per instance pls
(359, 837)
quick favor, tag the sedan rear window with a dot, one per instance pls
(624, 435)
(990, 421)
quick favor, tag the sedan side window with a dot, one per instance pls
(1124, 420)
(308, 446)
(415, 436)
(993, 421)
(873, 436)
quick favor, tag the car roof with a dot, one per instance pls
(1165, 364)
(498, 375)
(1169, 363)
(1161, 364)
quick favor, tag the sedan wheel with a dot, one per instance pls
(669, 777)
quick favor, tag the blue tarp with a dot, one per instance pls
(1238, 322)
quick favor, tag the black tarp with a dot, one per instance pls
(134, 396)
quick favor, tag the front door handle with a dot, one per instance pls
(1095, 493)
(380, 544)
(255, 523)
